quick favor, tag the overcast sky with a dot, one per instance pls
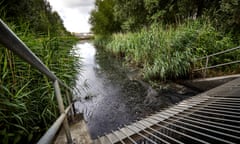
(74, 13)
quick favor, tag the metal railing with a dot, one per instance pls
(13, 43)
(204, 69)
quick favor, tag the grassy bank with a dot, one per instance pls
(27, 101)
(167, 52)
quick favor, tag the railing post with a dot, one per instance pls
(205, 70)
(70, 103)
(61, 109)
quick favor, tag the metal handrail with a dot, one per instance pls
(221, 52)
(13, 43)
(204, 69)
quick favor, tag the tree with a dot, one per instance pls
(37, 13)
(131, 14)
(102, 18)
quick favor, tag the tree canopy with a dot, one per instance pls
(130, 15)
(37, 14)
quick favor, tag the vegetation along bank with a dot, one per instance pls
(27, 102)
(164, 38)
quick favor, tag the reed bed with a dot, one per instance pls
(27, 101)
(167, 52)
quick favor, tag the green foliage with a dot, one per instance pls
(102, 19)
(167, 53)
(27, 101)
(230, 14)
(130, 13)
(36, 13)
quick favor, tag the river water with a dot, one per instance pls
(109, 99)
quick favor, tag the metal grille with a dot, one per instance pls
(211, 117)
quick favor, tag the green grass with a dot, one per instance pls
(27, 101)
(167, 52)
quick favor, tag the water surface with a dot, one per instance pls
(110, 99)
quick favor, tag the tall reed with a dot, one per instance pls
(27, 101)
(167, 52)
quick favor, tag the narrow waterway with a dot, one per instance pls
(109, 99)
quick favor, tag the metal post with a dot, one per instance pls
(61, 109)
(205, 70)
(70, 103)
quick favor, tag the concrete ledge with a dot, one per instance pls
(208, 83)
(79, 133)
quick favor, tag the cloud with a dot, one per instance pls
(75, 13)
(77, 3)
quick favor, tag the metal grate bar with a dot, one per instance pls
(181, 133)
(215, 113)
(222, 111)
(228, 103)
(224, 108)
(138, 132)
(216, 118)
(214, 126)
(216, 102)
(214, 123)
(215, 110)
(200, 119)
(160, 139)
(121, 130)
(109, 139)
(171, 138)
(118, 137)
(175, 131)
(197, 132)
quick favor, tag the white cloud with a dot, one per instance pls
(77, 3)
(75, 13)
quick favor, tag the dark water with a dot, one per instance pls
(109, 99)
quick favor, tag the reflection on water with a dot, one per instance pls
(103, 107)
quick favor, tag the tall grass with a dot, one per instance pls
(27, 101)
(167, 52)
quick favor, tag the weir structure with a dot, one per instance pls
(210, 117)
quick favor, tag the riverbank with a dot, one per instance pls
(166, 53)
